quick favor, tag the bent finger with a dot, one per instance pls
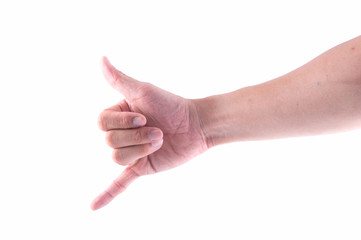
(122, 106)
(131, 137)
(118, 186)
(129, 155)
(109, 120)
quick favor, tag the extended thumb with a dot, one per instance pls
(118, 80)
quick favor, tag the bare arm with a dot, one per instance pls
(152, 130)
(323, 96)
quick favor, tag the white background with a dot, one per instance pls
(54, 160)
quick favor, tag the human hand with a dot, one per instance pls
(151, 130)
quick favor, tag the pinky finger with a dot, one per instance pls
(117, 187)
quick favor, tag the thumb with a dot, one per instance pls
(118, 80)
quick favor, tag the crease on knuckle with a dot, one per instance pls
(144, 89)
(102, 122)
(146, 149)
(117, 157)
(138, 136)
(120, 187)
(110, 138)
(125, 122)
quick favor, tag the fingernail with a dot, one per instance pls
(138, 121)
(157, 144)
(155, 135)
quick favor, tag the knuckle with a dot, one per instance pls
(144, 89)
(124, 121)
(138, 136)
(102, 121)
(110, 138)
(146, 149)
(118, 158)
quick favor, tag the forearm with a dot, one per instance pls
(323, 96)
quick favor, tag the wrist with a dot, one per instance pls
(213, 119)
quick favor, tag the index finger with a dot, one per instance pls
(117, 187)
(111, 120)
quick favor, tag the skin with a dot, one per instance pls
(152, 130)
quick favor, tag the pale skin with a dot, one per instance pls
(152, 130)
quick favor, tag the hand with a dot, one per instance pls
(151, 130)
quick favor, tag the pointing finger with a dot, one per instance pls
(118, 186)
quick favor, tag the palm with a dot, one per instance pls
(176, 117)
